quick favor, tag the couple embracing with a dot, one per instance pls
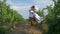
(33, 16)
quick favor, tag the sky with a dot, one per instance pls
(23, 6)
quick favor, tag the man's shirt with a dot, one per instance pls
(31, 14)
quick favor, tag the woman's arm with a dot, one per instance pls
(31, 11)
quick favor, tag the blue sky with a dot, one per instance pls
(23, 6)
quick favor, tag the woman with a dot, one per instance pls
(31, 15)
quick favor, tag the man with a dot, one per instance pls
(31, 15)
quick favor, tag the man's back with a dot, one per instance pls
(31, 14)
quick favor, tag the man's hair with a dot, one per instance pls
(33, 6)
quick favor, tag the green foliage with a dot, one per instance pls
(51, 22)
(4, 30)
(52, 18)
(9, 15)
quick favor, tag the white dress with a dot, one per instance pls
(38, 18)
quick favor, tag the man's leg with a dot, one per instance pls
(32, 22)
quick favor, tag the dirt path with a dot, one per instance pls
(26, 29)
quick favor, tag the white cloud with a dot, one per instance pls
(43, 2)
(9, 2)
(23, 10)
